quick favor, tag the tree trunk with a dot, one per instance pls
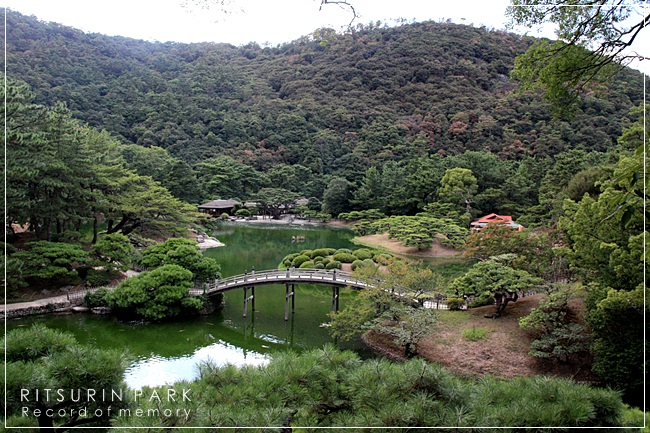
(119, 225)
(410, 350)
(501, 301)
(94, 241)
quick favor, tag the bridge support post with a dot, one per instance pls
(249, 298)
(335, 299)
(289, 294)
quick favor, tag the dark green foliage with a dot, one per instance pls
(363, 253)
(39, 358)
(97, 298)
(501, 282)
(552, 324)
(182, 252)
(243, 213)
(299, 260)
(321, 252)
(617, 320)
(155, 295)
(113, 251)
(344, 257)
(336, 198)
(56, 262)
(95, 278)
(334, 264)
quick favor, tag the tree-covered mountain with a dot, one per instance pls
(328, 105)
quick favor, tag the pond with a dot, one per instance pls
(168, 352)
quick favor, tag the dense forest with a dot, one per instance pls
(386, 109)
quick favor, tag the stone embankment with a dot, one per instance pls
(41, 306)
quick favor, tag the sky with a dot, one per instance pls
(261, 21)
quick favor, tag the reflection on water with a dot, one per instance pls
(156, 370)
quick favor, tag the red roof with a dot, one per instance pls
(505, 220)
(494, 218)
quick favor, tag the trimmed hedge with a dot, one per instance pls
(320, 252)
(344, 257)
(308, 264)
(333, 265)
(363, 253)
(299, 260)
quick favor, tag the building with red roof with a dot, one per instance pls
(502, 220)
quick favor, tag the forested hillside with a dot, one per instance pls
(409, 101)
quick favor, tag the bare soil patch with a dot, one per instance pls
(382, 241)
(502, 353)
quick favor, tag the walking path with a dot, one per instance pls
(53, 302)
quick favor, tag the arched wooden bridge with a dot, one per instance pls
(289, 277)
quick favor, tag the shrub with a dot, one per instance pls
(243, 213)
(155, 295)
(307, 264)
(363, 254)
(308, 253)
(181, 252)
(326, 260)
(382, 259)
(290, 257)
(96, 298)
(95, 278)
(320, 252)
(224, 216)
(474, 333)
(319, 265)
(299, 260)
(454, 303)
(318, 259)
(333, 265)
(344, 257)
(343, 250)
(362, 264)
(481, 301)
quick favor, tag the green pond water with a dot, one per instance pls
(167, 352)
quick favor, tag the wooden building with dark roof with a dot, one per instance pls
(218, 207)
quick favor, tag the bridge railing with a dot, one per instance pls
(280, 275)
(305, 276)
